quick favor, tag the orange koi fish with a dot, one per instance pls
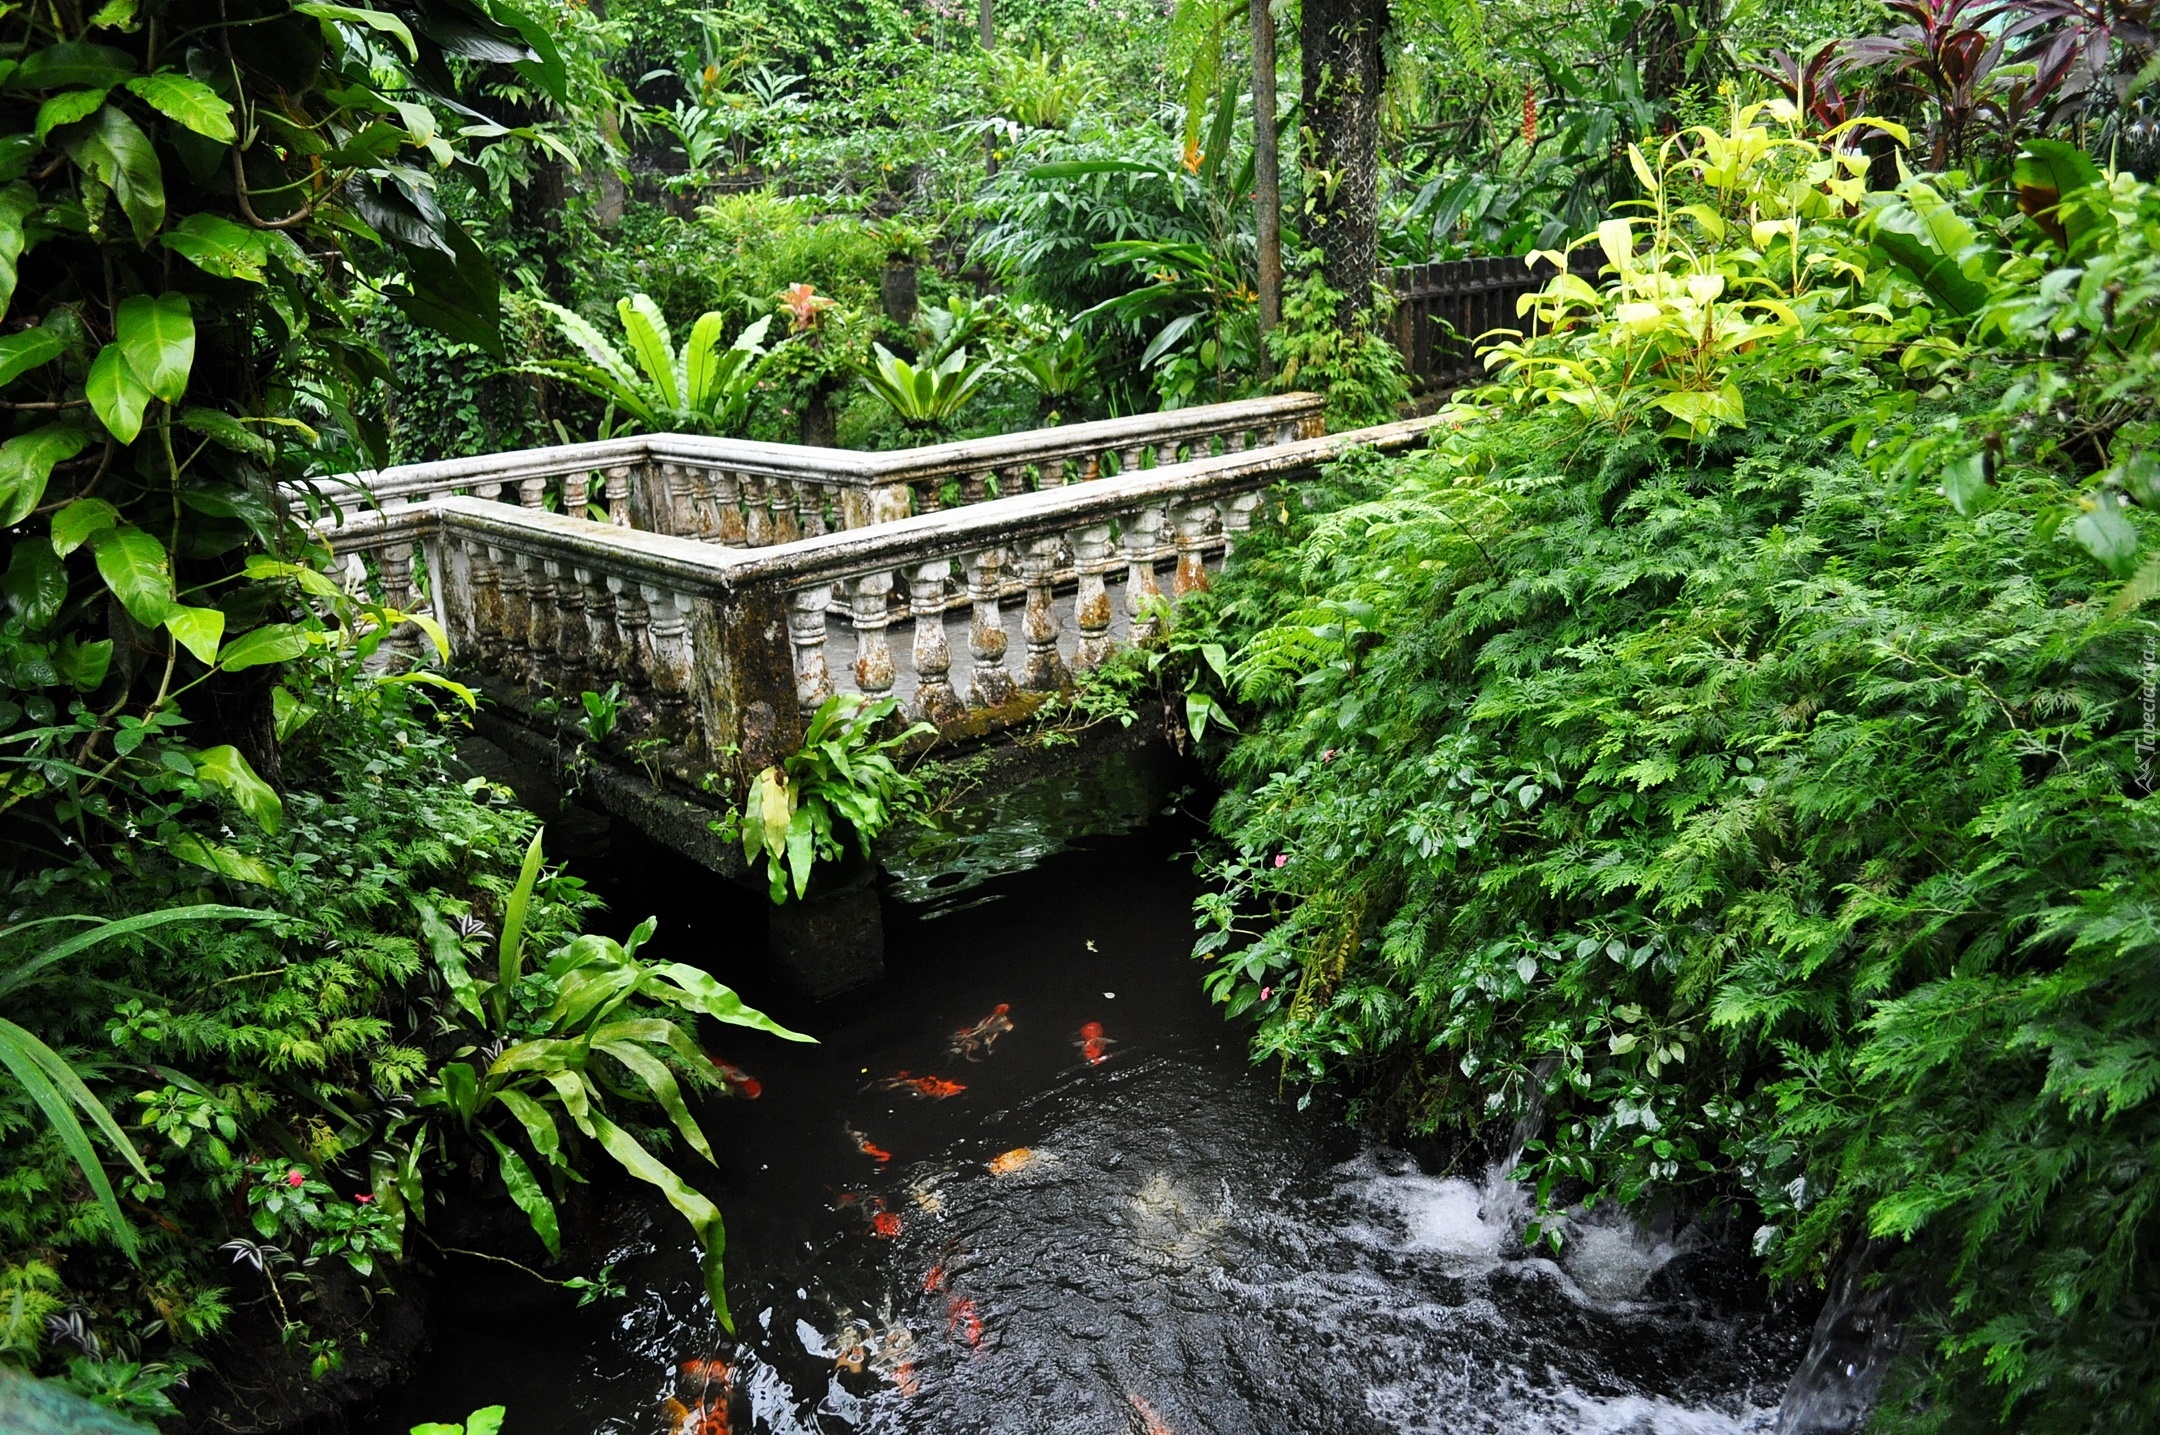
(864, 1145)
(903, 1379)
(738, 1082)
(974, 1042)
(699, 1419)
(934, 1087)
(710, 1371)
(886, 1224)
(1093, 1044)
(960, 1317)
(1150, 1422)
(933, 1280)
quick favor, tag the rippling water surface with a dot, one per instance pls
(1154, 1240)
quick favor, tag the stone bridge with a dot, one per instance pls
(728, 587)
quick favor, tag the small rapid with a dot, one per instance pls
(1102, 1219)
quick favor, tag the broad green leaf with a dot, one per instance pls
(35, 585)
(198, 630)
(136, 569)
(26, 465)
(226, 431)
(66, 109)
(661, 1082)
(79, 522)
(2047, 174)
(187, 102)
(16, 202)
(157, 338)
(526, 1192)
(379, 20)
(1924, 234)
(699, 368)
(27, 350)
(74, 63)
(2108, 535)
(218, 246)
(113, 148)
(224, 767)
(487, 1420)
(540, 1128)
(84, 665)
(113, 15)
(1965, 482)
(703, 1216)
(510, 951)
(704, 993)
(116, 395)
(647, 331)
(53, 1085)
(221, 859)
(271, 643)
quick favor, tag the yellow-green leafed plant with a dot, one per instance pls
(704, 388)
(924, 396)
(597, 1024)
(842, 780)
(1740, 233)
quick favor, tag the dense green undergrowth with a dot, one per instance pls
(1781, 833)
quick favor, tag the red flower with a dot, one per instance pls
(363, 1198)
(294, 1179)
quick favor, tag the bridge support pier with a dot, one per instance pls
(833, 940)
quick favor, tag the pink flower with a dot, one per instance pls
(294, 1179)
(1328, 756)
(1266, 992)
(363, 1198)
(1282, 859)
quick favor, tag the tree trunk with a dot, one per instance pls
(1343, 73)
(1267, 171)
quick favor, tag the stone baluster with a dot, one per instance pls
(976, 486)
(404, 643)
(727, 499)
(1166, 453)
(991, 685)
(871, 609)
(1143, 536)
(618, 495)
(516, 619)
(1236, 512)
(1040, 626)
(488, 488)
(532, 492)
(806, 631)
(783, 494)
(1129, 459)
(1052, 473)
(1091, 599)
(757, 525)
(544, 667)
(576, 492)
(935, 700)
(1234, 441)
(573, 638)
(633, 625)
(929, 496)
(603, 638)
(1012, 480)
(809, 508)
(1191, 523)
(668, 627)
(490, 627)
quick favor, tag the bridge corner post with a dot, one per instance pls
(743, 678)
(864, 504)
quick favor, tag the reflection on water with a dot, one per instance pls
(1129, 1232)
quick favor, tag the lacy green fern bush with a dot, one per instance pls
(1784, 830)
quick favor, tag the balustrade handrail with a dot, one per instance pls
(701, 568)
(840, 467)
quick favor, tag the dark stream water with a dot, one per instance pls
(1155, 1240)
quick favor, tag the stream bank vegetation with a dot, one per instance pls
(1729, 748)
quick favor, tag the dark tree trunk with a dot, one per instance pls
(1343, 73)
(1267, 171)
